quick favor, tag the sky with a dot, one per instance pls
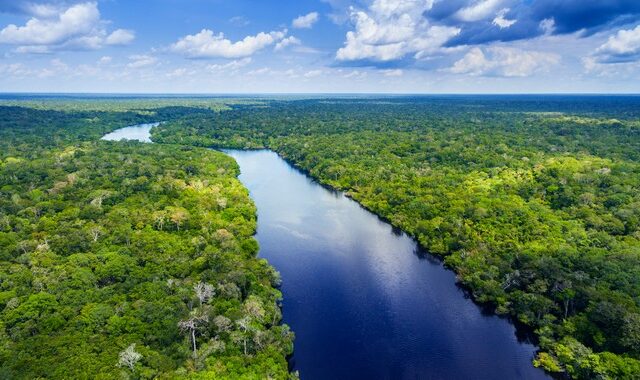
(320, 46)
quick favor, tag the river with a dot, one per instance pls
(140, 132)
(363, 300)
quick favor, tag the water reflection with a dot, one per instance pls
(363, 299)
(140, 132)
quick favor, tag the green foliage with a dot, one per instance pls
(533, 202)
(103, 246)
(124, 104)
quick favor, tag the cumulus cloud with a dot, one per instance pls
(500, 20)
(504, 61)
(180, 72)
(306, 21)
(547, 26)
(390, 30)
(483, 21)
(54, 28)
(478, 11)
(120, 37)
(141, 60)
(624, 46)
(206, 44)
(312, 73)
(56, 68)
(30, 8)
(288, 41)
(260, 71)
(356, 74)
(14, 70)
(618, 70)
(583, 15)
(341, 10)
(393, 73)
(33, 49)
(78, 20)
(233, 65)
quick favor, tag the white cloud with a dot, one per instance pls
(105, 60)
(624, 46)
(33, 49)
(41, 10)
(178, 73)
(355, 74)
(288, 41)
(390, 8)
(474, 62)
(53, 28)
(261, 71)
(56, 68)
(623, 69)
(504, 61)
(87, 71)
(233, 65)
(141, 60)
(340, 13)
(78, 20)
(14, 70)
(306, 21)
(207, 45)
(502, 22)
(391, 29)
(478, 11)
(291, 74)
(306, 50)
(85, 42)
(59, 64)
(120, 37)
(548, 26)
(393, 73)
(313, 73)
(26, 7)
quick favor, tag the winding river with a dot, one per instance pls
(362, 299)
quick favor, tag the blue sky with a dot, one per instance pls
(319, 46)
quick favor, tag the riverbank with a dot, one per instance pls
(360, 296)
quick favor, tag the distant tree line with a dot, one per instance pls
(128, 260)
(533, 201)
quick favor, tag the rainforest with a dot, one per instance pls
(138, 260)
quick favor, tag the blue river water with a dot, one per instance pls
(140, 132)
(362, 299)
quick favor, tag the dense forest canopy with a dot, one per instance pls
(534, 201)
(128, 260)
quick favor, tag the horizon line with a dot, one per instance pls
(220, 94)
